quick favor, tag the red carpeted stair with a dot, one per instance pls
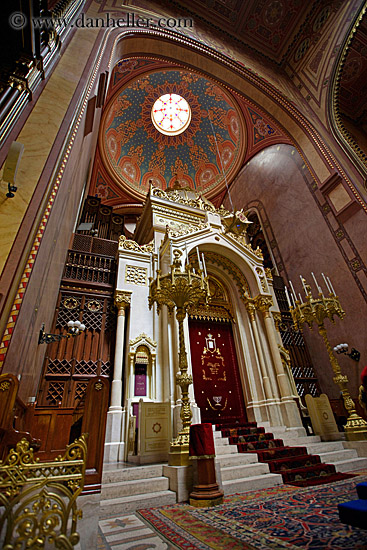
(294, 464)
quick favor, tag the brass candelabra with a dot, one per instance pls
(317, 310)
(180, 289)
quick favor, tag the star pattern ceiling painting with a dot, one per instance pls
(204, 157)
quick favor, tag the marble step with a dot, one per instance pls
(330, 457)
(221, 441)
(323, 447)
(117, 506)
(116, 472)
(350, 465)
(246, 484)
(225, 449)
(134, 487)
(300, 441)
(243, 471)
(236, 459)
(293, 432)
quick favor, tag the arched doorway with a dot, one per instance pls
(216, 377)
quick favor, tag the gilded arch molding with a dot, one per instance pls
(341, 133)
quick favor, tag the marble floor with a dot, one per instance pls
(129, 532)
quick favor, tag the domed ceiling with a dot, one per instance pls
(205, 156)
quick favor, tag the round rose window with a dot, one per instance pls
(171, 114)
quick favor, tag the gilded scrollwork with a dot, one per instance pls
(235, 222)
(242, 241)
(210, 313)
(261, 274)
(184, 196)
(185, 229)
(128, 244)
(38, 499)
(277, 319)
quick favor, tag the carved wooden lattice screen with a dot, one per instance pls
(70, 363)
(86, 294)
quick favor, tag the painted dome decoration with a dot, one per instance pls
(200, 141)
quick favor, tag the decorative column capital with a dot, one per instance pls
(250, 306)
(263, 303)
(122, 300)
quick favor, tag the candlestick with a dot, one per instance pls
(294, 294)
(314, 278)
(287, 296)
(326, 283)
(303, 284)
(171, 253)
(205, 273)
(180, 289)
(199, 261)
(316, 310)
(187, 254)
(331, 286)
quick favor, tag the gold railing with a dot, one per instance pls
(38, 499)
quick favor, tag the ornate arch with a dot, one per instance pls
(342, 135)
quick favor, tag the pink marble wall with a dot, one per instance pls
(306, 241)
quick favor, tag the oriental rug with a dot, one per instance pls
(280, 518)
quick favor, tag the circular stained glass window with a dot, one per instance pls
(171, 114)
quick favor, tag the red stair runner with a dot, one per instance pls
(294, 464)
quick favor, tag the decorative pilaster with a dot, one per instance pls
(122, 301)
(114, 445)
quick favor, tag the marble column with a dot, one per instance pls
(273, 412)
(290, 410)
(114, 444)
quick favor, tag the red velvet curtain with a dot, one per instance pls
(217, 383)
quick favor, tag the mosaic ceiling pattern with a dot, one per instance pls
(205, 156)
(270, 27)
(353, 84)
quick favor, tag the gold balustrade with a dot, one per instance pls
(38, 499)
